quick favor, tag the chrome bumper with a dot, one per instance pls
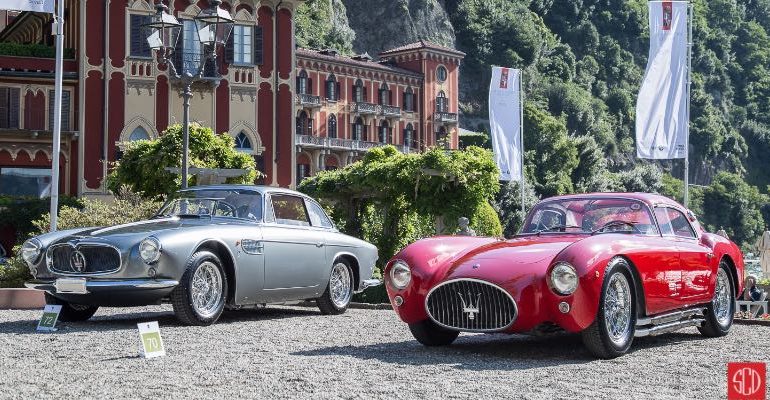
(369, 283)
(106, 286)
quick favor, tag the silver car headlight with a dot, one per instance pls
(564, 279)
(400, 274)
(149, 250)
(31, 251)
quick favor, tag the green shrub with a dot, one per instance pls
(32, 50)
(143, 166)
(18, 213)
(486, 222)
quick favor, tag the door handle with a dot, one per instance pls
(319, 244)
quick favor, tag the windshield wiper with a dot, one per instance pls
(558, 227)
(616, 223)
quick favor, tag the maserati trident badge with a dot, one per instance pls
(78, 262)
(470, 308)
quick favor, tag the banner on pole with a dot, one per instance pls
(505, 121)
(661, 108)
(44, 6)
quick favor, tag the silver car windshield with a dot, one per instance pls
(221, 203)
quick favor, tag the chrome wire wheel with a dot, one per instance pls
(617, 308)
(340, 285)
(721, 301)
(206, 290)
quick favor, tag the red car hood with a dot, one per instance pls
(501, 262)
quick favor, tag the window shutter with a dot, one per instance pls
(135, 35)
(257, 43)
(4, 111)
(309, 86)
(230, 48)
(339, 94)
(364, 96)
(65, 110)
(14, 97)
(210, 69)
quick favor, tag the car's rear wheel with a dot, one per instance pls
(339, 291)
(430, 334)
(71, 312)
(200, 297)
(613, 330)
(721, 311)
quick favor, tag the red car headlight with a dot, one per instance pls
(564, 279)
(400, 275)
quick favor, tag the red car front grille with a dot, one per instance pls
(471, 305)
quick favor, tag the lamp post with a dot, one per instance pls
(214, 26)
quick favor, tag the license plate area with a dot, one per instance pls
(71, 285)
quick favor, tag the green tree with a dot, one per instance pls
(734, 205)
(143, 165)
(551, 156)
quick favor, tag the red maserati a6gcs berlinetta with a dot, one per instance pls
(609, 266)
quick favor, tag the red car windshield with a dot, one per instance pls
(590, 216)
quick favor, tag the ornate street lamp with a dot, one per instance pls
(214, 26)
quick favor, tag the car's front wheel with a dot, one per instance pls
(71, 312)
(430, 334)
(339, 291)
(613, 330)
(720, 312)
(202, 292)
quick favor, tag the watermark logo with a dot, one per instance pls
(746, 381)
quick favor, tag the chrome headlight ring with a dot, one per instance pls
(150, 250)
(563, 279)
(400, 275)
(31, 251)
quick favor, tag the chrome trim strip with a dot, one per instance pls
(367, 283)
(49, 258)
(513, 301)
(50, 285)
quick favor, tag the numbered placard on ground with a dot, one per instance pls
(152, 343)
(48, 320)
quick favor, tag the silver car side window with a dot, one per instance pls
(317, 215)
(289, 210)
(269, 214)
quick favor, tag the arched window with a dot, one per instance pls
(409, 135)
(359, 91)
(139, 133)
(303, 83)
(384, 94)
(442, 103)
(303, 124)
(384, 132)
(332, 89)
(409, 100)
(242, 143)
(331, 127)
(358, 129)
(441, 73)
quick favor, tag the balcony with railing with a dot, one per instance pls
(390, 111)
(445, 118)
(308, 100)
(343, 144)
(364, 108)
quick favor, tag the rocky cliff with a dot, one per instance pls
(380, 25)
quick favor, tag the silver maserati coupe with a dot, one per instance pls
(208, 248)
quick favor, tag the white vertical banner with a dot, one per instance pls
(662, 115)
(505, 121)
(44, 6)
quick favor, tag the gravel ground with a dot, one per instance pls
(294, 352)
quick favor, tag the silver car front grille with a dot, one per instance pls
(85, 259)
(471, 305)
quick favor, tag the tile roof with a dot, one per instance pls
(315, 54)
(422, 44)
